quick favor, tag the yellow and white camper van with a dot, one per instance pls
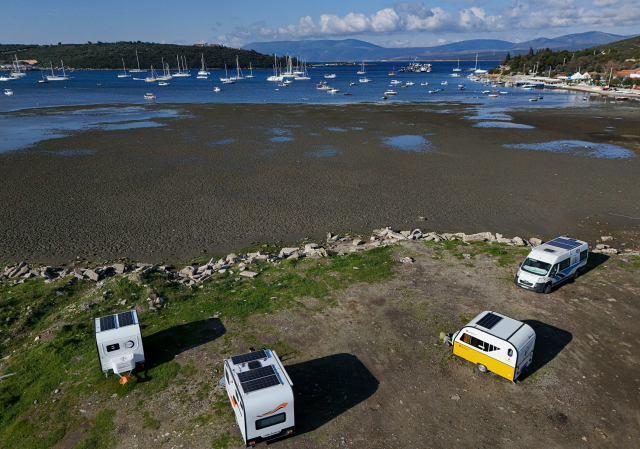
(495, 343)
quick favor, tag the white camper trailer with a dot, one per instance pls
(552, 263)
(260, 392)
(495, 343)
(119, 342)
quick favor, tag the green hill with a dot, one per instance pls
(616, 56)
(109, 55)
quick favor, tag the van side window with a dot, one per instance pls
(583, 255)
(271, 421)
(565, 264)
(473, 341)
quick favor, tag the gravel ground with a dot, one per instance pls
(372, 372)
(219, 177)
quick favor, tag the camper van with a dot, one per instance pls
(495, 343)
(119, 342)
(261, 395)
(552, 263)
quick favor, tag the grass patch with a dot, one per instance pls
(601, 267)
(224, 441)
(100, 433)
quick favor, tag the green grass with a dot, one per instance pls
(100, 434)
(224, 441)
(65, 356)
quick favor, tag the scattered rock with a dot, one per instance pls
(455, 397)
(466, 256)
(249, 274)
(535, 242)
(407, 260)
(606, 238)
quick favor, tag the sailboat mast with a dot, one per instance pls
(138, 59)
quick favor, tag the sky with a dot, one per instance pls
(239, 22)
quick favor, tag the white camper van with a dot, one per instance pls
(119, 342)
(260, 392)
(552, 263)
(496, 343)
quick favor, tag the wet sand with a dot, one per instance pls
(220, 177)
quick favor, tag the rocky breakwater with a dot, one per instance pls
(239, 264)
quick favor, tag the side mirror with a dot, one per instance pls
(520, 265)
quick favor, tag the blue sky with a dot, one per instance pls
(235, 23)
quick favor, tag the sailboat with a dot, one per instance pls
(153, 78)
(251, 70)
(138, 70)
(239, 75)
(124, 74)
(289, 73)
(43, 80)
(54, 77)
(362, 71)
(303, 75)
(203, 72)
(226, 79)
(275, 76)
(457, 69)
(166, 73)
(393, 71)
(477, 70)
(17, 72)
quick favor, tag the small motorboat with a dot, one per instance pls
(493, 96)
(533, 99)
(424, 84)
(352, 84)
(216, 89)
(396, 82)
(390, 92)
(433, 91)
(333, 91)
(347, 93)
(461, 87)
(495, 91)
(163, 83)
(409, 83)
(445, 83)
(331, 75)
(364, 80)
(504, 92)
(8, 92)
(202, 77)
(540, 97)
(485, 91)
(149, 96)
(384, 97)
(323, 86)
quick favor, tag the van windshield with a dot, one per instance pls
(536, 266)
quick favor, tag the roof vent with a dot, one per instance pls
(253, 365)
(549, 250)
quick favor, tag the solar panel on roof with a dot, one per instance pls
(489, 320)
(107, 323)
(256, 373)
(125, 319)
(260, 384)
(248, 357)
(564, 243)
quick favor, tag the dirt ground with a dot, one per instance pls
(371, 371)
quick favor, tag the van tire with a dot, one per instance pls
(547, 288)
(483, 369)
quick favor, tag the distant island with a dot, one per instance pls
(103, 55)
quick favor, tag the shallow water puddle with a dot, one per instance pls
(409, 143)
(222, 142)
(501, 125)
(577, 148)
(326, 151)
(281, 139)
(337, 130)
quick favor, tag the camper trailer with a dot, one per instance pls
(260, 392)
(495, 343)
(119, 342)
(551, 264)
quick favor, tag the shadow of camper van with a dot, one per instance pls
(325, 388)
(165, 345)
(550, 341)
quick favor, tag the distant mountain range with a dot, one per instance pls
(357, 50)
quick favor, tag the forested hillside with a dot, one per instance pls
(620, 55)
(109, 55)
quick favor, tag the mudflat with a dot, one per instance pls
(218, 177)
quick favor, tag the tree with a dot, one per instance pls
(530, 51)
(507, 58)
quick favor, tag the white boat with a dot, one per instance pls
(289, 73)
(478, 71)
(138, 70)
(43, 80)
(54, 77)
(390, 92)
(202, 77)
(362, 71)
(216, 89)
(444, 83)
(302, 75)
(17, 70)
(181, 73)
(275, 77)
(456, 75)
(410, 83)
(8, 92)
(323, 87)
(283, 84)
(288, 82)
(226, 79)
(203, 71)
(424, 84)
(239, 76)
(251, 74)
(332, 75)
(149, 96)
(457, 69)
(364, 80)
(393, 71)
(6, 78)
(486, 91)
(166, 73)
(333, 91)
(396, 82)
(124, 73)
(153, 78)
(461, 87)
(352, 84)
(433, 91)
(163, 83)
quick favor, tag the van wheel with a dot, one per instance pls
(547, 289)
(483, 369)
